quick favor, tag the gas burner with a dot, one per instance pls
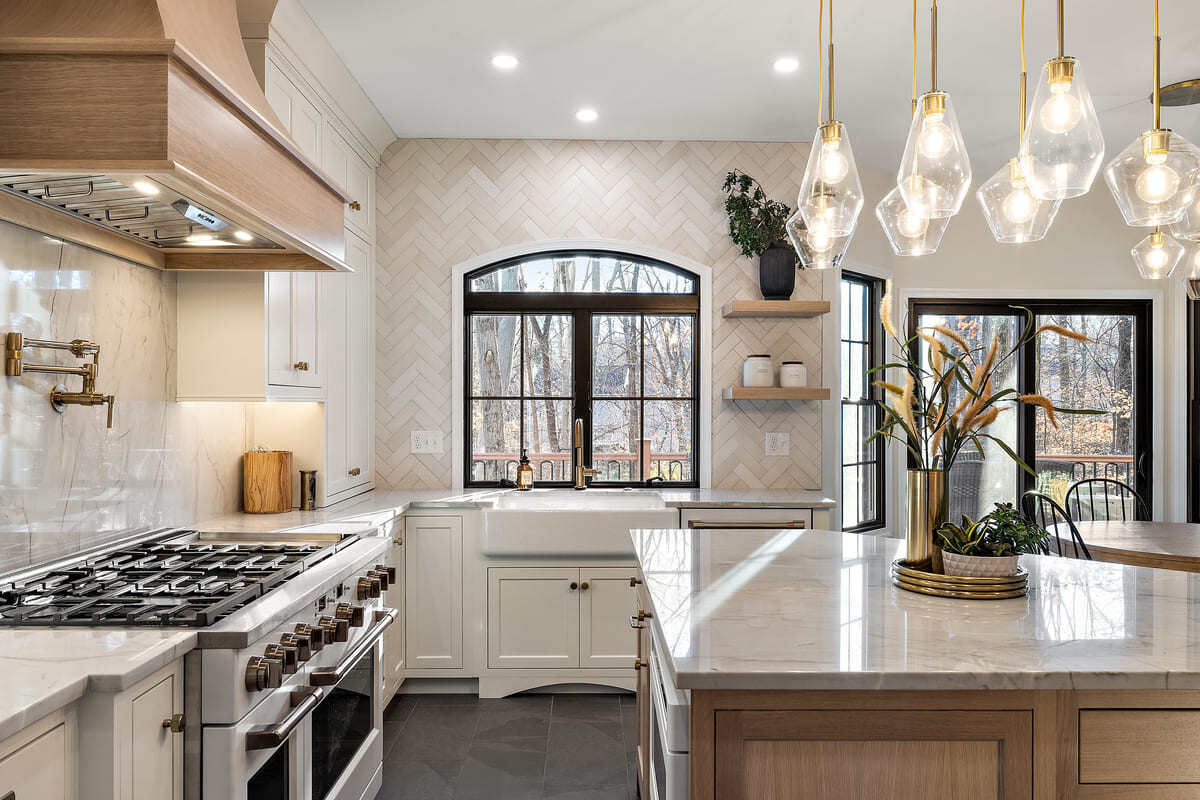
(189, 584)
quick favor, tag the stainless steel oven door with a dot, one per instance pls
(346, 743)
(263, 757)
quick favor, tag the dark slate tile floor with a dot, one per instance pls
(526, 747)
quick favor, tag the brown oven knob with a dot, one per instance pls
(391, 572)
(336, 630)
(301, 642)
(263, 672)
(315, 633)
(366, 588)
(380, 575)
(287, 655)
(352, 614)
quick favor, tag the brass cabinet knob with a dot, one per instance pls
(301, 366)
(643, 615)
(357, 206)
(574, 586)
(352, 614)
(391, 571)
(634, 582)
(399, 541)
(355, 471)
(639, 664)
(584, 586)
(174, 722)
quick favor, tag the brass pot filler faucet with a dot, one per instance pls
(60, 398)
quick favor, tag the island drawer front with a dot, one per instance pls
(753, 517)
(671, 705)
(1129, 745)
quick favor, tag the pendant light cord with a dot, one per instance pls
(933, 85)
(914, 58)
(1024, 78)
(820, 61)
(831, 115)
(1157, 71)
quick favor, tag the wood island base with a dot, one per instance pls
(903, 745)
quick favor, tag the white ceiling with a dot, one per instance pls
(667, 69)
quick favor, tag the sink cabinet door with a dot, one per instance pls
(533, 617)
(433, 592)
(605, 601)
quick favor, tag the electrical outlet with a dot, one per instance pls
(778, 443)
(426, 442)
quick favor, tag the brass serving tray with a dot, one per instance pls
(940, 591)
(899, 567)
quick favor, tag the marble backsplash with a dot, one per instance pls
(67, 482)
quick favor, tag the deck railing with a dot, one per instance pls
(616, 467)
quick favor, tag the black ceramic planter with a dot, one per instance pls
(777, 272)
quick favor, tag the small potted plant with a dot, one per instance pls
(990, 546)
(757, 225)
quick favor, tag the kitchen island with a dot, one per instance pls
(785, 664)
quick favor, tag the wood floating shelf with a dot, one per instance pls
(775, 308)
(776, 393)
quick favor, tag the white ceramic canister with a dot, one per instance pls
(793, 373)
(757, 371)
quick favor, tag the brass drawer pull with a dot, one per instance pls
(174, 722)
(301, 366)
(355, 471)
(584, 586)
(796, 524)
(634, 582)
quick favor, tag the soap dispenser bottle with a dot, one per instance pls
(524, 473)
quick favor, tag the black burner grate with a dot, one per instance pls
(190, 585)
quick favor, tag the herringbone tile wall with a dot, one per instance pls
(442, 201)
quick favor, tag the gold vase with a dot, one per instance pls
(926, 511)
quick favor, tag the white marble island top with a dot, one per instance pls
(790, 609)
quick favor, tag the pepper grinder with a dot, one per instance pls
(308, 489)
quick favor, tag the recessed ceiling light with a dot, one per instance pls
(587, 115)
(243, 236)
(145, 187)
(196, 238)
(505, 61)
(786, 64)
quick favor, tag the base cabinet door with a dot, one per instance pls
(533, 617)
(605, 601)
(393, 637)
(835, 755)
(157, 767)
(433, 592)
(39, 768)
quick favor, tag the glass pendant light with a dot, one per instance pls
(1191, 262)
(816, 249)
(1188, 226)
(831, 194)
(1012, 210)
(1154, 179)
(909, 233)
(1063, 140)
(1157, 255)
(935, 172)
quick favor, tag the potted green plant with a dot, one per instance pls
(989, 546)
(757, 225)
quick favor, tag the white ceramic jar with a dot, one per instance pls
(757, 371)
(793, 373)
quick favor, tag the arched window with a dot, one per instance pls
(607, 338)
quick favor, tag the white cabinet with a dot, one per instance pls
(533, 617)
(294, 330)
(38, 762)
(300, 117)
(393, 637)
(155, 750)
(433, 592)
(559, 617)
(355, 175)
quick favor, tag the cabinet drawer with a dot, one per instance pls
(751, 517)
(1139, 746)
(672, 706)
(37, 770)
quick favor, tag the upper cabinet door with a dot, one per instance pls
(359, 372)
(334, 290)
(342, 163)
(298, 114)
(293, 330)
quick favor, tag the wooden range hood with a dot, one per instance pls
(99, 95)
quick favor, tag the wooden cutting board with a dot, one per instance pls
(267, 481)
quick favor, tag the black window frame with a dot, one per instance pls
(1142, 311)
(875, 357)
(580, 306)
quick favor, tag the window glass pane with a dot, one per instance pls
(1097, 374)
(845, 309)
(548, 352)
(668, 447)
(669, 348)
(585, 273)
(859, 354)
(852, 513)
(495, 354)
(548, 438)
(495, 437)
(616, 432)
(977, 483)
(616, 355)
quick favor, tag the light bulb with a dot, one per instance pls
(819, 240)
(1156, 257)
(1062, 111)
(935, 139)
(1157, 183)
(834, 166)
(912, 225)
(1019, 206)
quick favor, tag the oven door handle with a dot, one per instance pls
(797, 524)
(268, 737)
(332, 675)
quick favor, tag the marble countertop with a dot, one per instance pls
(794, 609)
(46, 669)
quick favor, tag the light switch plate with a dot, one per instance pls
(778, 443)
(426, 442)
